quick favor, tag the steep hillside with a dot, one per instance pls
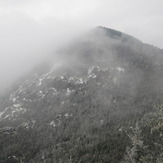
(88, 106)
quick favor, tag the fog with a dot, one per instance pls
(30, 30)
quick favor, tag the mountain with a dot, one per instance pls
(101, 101)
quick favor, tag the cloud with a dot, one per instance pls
(32, 29)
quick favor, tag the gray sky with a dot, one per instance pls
(31, 29)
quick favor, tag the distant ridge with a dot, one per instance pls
(111, 32)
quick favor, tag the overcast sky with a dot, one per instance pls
(32, 29)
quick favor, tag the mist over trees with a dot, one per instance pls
(98, 100)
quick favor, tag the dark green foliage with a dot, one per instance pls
(146, 139)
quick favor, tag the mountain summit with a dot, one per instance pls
(93, 104)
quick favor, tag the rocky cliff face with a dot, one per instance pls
(81, 108)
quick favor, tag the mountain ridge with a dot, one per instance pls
(81, 109)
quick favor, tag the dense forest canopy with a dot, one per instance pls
(100, 103)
